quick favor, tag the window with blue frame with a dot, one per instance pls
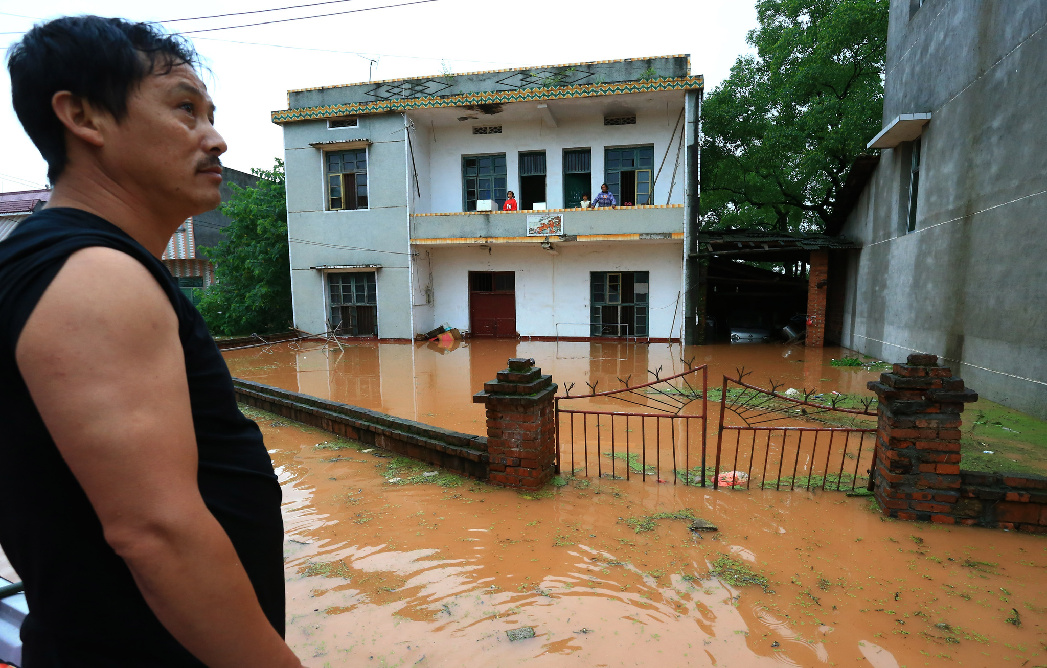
(618, 304)
(483, 178)
(627, 172)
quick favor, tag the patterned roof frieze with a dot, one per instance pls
(404, 102)
(519, 80)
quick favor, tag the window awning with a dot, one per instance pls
(906, 127)
(346, 267)
(341, 145)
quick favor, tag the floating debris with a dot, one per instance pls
(393, 480)
(732, 478)
(430, 474)
(703, 525)
(522, 633)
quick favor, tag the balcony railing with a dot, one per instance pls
(640, 222)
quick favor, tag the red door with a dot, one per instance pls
(492, 303)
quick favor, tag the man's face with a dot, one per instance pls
(603, 188)
(165, 151)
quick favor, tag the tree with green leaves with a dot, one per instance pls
(781, 132)
(252, 290)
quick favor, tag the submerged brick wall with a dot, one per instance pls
(455, 451)
(916, 471)
(1003, 501)
(519, 450)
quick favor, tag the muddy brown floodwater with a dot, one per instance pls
(434, 385)
(389, 566)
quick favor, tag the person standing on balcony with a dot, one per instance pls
(604, 198)
(510, 202)
(124, 450)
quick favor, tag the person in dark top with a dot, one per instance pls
(140, 506)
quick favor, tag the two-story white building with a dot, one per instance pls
(395, 191)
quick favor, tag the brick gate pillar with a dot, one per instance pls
(521, 441)
(916, 470)
(817, 289)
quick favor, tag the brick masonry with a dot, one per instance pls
(462, 453)
(521, 435)
(817, 290)
(916, 470)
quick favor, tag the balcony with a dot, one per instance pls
(621, 224)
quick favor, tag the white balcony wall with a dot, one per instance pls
(552, 291)
(581, 129)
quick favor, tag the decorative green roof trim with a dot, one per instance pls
(489, 97)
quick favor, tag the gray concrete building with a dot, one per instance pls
(397, 193)
(953, 219)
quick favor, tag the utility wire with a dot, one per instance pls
(254, 11)
(300, 18)
(362, 54)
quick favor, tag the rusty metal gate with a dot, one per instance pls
(665, 429)
(773, 439)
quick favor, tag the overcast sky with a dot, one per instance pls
(252, 68)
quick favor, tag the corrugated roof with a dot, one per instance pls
(22, 201)
(760, 244)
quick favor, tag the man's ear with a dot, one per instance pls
(82, 119)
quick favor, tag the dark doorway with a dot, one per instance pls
(532, 179)
(577, 177)
(619, 303)
(353, 299)
(492, 303)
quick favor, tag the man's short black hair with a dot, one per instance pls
(101, 60)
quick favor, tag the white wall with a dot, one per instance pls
(552, 291)
(447, 145)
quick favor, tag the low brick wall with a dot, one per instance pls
(1004, 501)
(253, 340)
(916, 471)
(451, 450)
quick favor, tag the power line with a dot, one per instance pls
(254, 11)
(300, 18)
(362, 54)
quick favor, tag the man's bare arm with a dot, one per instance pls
(103, 362)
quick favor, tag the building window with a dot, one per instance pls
(192, 287)
(347, 180)
(353, 300)
(627, 172)
(619, 120)
(532, 179)
(618, 303)
(488, 130)
(914, 184)
(350, 122)
(483, 180)
(577, 176)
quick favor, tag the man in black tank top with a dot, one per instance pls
(140, 506)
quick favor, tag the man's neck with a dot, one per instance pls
(94, 193)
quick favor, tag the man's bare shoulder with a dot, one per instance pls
(99, 294)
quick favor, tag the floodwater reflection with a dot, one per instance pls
(434, 385)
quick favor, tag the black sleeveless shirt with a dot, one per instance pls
(84, 607)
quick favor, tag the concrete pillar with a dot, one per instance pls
(817, 289)
(521, 429)
(916, 469)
